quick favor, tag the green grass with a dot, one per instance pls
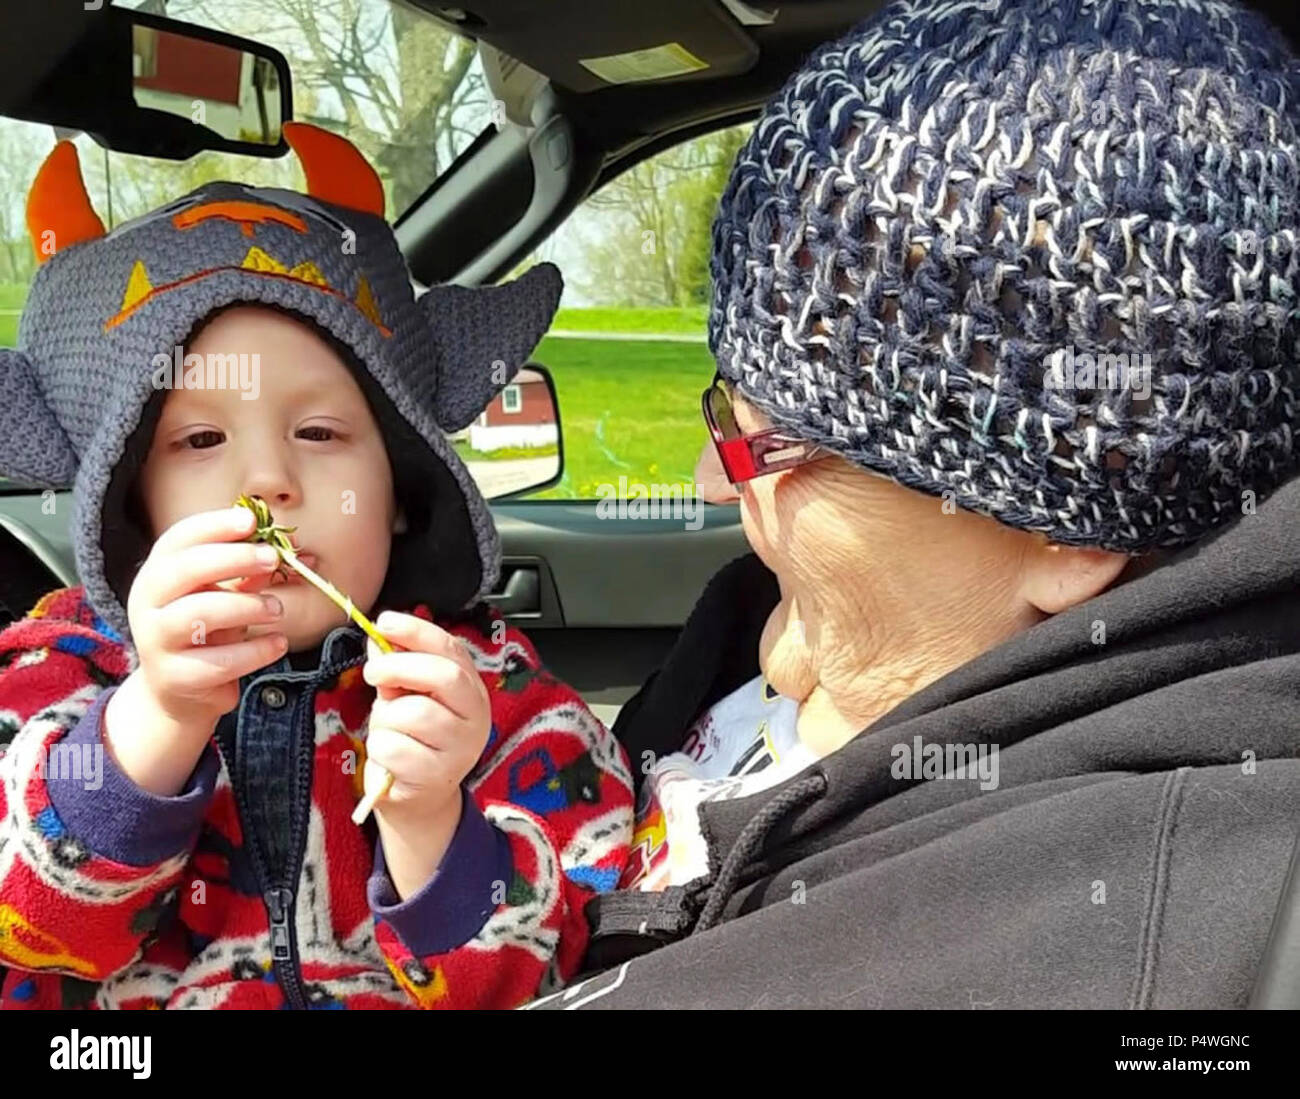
(12, 295)
(687, 320)
(627, 408)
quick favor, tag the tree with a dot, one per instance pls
(401, 87)
(700, 195)
(17, 260)
(646, 233)
(405, 90)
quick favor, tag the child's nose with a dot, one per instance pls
(276, 486)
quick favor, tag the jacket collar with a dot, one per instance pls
(342, 645)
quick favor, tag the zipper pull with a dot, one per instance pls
(279, 903)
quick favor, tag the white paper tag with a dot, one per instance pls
(655, 63)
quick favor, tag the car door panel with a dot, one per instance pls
(624, 587)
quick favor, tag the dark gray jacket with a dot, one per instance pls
(1131, 855)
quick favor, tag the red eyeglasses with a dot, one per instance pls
(745, 457)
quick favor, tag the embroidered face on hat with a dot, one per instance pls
(106, 308)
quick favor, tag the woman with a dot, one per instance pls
(1004, 317)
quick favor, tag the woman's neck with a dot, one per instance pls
(850, 652)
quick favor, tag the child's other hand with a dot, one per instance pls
(429, 722)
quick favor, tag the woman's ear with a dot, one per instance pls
(1055, 578)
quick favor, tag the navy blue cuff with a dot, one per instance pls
(105, 810)
(457, 901)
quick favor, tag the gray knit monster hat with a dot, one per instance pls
(1037, 254)
(103, 306)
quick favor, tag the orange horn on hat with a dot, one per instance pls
(335, 169)
(59, 213)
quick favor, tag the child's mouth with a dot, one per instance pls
(285, 575)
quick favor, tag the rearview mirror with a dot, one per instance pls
(232, 91)
(515, 445)
(152, 86)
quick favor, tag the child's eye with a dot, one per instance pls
(326, 432)
(202, 440)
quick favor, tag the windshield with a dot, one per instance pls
(407, 92)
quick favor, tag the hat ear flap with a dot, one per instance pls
(483, 335)
(34, 449)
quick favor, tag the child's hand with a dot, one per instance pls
(189, 637)
(428, 727)
(431, 718)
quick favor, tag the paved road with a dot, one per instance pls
(499, 478)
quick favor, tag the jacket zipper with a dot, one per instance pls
(284, 945)
(281, 901)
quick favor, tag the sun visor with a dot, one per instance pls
(608, 44)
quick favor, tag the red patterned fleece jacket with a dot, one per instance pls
(252, 888)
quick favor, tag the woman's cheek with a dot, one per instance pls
(711, 479)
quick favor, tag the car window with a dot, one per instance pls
(627, 349)
(409, 93)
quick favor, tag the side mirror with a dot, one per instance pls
(515, 446)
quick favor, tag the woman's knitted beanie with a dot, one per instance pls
(1036, 256)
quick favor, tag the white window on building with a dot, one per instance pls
(511, 399)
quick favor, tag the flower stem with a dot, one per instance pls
(274, 535)
(342, 601)
(277, 537)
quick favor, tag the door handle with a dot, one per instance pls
(522, 592)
